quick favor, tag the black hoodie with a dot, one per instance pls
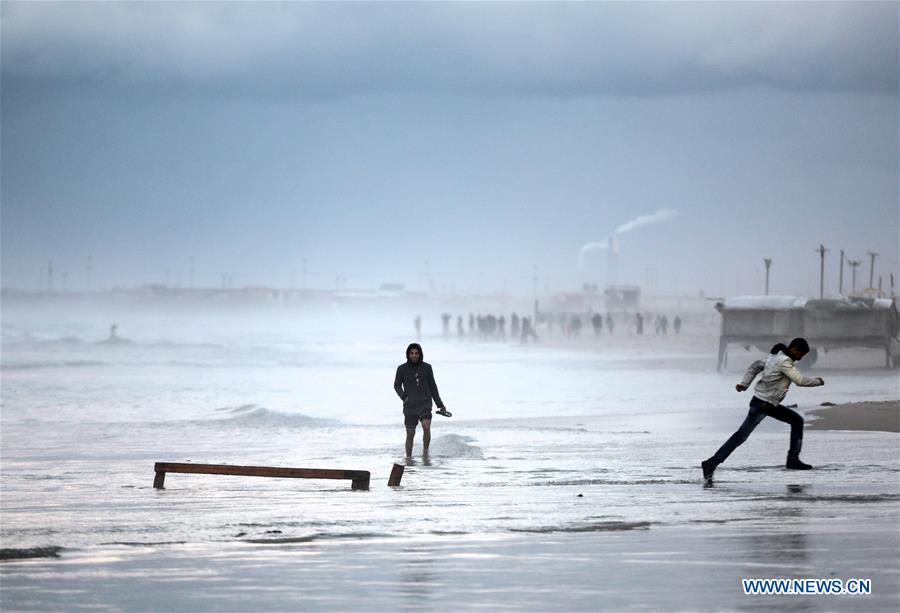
(415, 384)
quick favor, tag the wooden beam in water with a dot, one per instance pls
(359, 478)
(396, 475)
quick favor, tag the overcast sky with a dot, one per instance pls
(470, 141)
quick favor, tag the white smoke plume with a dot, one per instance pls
(643, 220)
(590, 247)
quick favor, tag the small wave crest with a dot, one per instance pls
(603, 526)
(49, 364)
(254, 415)
(455, 446)
(318, 536)
(32, 552)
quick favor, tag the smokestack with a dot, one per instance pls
(612, 264)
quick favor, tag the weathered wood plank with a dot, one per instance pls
(360, 478)
(396, 475)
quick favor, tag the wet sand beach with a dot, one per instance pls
(868, 416)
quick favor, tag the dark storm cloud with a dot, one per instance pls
(499, 49)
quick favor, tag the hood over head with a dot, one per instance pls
(421, 353)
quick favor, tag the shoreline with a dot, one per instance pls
(868, 416)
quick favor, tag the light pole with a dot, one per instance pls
(871, 269)
(822, 251)
(841, 276)
(853, 266)
(768, 262)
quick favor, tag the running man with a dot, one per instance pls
(778, 371)
(415, 385)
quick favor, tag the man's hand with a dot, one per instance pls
(740, 387)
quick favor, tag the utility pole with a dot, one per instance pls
(871, 269)
(841, 276)
(768, 262)
(822, 251)
(853, 266)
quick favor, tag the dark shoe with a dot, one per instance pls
(708, 469)
(796, 464)
(444, 412)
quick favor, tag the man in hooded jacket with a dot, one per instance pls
(415, 385)
(778, 371)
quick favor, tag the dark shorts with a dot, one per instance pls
(412, 421)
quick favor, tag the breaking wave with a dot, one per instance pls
(455, 446)
(254, 415)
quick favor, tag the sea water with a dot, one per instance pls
(568, 477)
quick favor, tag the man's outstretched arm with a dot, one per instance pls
(791, 372)
(754, 369)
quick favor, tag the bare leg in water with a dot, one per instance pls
(426, 436)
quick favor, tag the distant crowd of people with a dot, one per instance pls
(486, 327)
(494, 327)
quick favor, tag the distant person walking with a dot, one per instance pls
(418, 323)
(597, 322)
(415, 385)
(778, 371)
(676, 324)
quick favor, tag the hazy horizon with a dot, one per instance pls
(455, 146)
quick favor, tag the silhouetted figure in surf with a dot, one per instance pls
(445, 320)
(460, 331)
(114, 338)
(639, 323)
(610, 324)
(778, 371)
(676, 324)
(418, 323)
(415, 385)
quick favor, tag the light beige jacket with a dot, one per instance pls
(778, 371)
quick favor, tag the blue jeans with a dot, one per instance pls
(759, 409)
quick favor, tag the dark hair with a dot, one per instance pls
(778, 347)
(799, 343)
